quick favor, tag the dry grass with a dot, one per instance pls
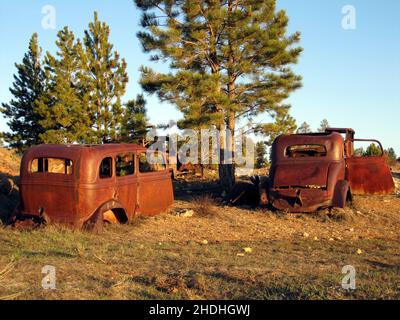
(167, 257)
(118, 266)
(9, 162)
(203, 256)
(204, 206)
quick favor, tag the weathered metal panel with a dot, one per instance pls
(302, 174)
(155, 192)
(73, 199)
(305, 184)
(369, 175)
(312, 179)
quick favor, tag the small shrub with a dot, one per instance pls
(204, 206)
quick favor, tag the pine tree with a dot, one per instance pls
(323, 126)
(284, 124)
(229, 60)
(27, 88)
(359, 152)
(373, 150)
(261, 155)
(108, 79)
(135, 121)
(304, 128)
(391, 156)
(63, 106)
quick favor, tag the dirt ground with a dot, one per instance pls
(202, 249)
(213, 252)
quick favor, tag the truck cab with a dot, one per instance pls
(321, 170)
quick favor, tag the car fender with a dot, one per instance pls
(340, 194)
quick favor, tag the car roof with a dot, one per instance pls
(72, 151)
(310, 138)
(332, 141)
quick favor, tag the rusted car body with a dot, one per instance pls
(321, 170)
(86, 185)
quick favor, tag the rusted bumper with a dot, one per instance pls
(299, 200)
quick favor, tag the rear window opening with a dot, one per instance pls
(306, 151)
(52, 165)
(156, 163)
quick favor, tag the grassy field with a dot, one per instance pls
(202, 249)
(248, 255)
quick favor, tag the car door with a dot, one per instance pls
(126, 181)
(155, 192)
(369, 174)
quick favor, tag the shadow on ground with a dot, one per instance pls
(244, 193)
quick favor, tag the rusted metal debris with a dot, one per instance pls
(83, 186)
(320, 170)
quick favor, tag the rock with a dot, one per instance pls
(240, 255)
(338, 211)
(185, 213)
(359, 251)
(305, 235)
(315, 238)
(248, 250)
(205, 242)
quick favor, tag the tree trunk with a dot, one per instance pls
(227, 177)
(226, 168)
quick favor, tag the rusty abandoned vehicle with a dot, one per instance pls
(83, 186)
(321, 170)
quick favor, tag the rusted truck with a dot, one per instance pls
(83, 186)
(321, 170)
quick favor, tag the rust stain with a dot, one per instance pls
(320, 170)
(82, 186)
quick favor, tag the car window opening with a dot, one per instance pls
(52, 165)
(306, 151)
(146, 166)
(106, 168)
(125, 164)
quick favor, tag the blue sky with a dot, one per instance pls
(351, 77)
